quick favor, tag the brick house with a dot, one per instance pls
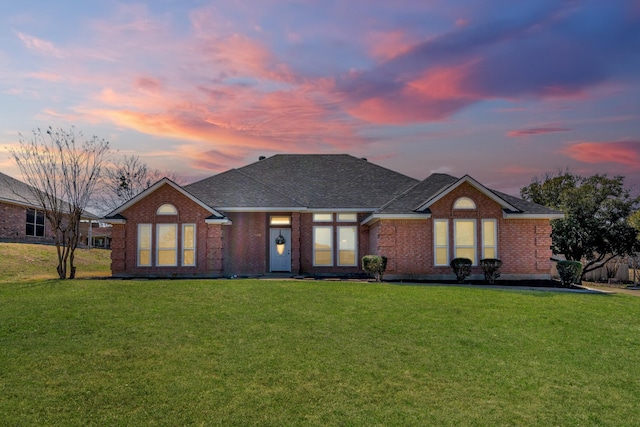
(22, 219)
(318, 215)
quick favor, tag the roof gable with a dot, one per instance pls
(116, 214)
(481, 188)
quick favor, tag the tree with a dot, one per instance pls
(62, 169)
(595, 228)
(125, 178)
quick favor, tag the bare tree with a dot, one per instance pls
(62, 169)
(125, 178)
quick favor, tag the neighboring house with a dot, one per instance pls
(318, 215)
(22, 219)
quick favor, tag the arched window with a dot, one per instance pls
(167, 209)
(464, 203)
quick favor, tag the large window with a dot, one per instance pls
(347, 246)
(322, 246)
(441, 241)
(188, 244)
(489, 239)
(144, 245)
(35, 223)
(167, 244)
(465, 239)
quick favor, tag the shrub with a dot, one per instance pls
(491, 269)
(461, 267)
(374, 265)
(569, 271)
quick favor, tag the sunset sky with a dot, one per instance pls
(502, 90)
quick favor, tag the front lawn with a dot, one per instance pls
(281, 353)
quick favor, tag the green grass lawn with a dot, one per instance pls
(280, 353)
(19, 261)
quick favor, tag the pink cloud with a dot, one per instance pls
(536, 131)
(386, 45)
(50, 77)
(624, 152)
(39, 45)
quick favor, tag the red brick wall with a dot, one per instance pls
(523, 244)
(208, 237)
(246, 244)
(13, 225)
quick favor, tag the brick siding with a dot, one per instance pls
(13, 226)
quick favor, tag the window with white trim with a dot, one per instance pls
(144, 245)
(347, 217)
(322, 217)
(167, 209)
(489, 238)
(167, 245)
(322, 246)
(347, 237)
(34, 223)
(464, 203)
(188, 244)
(441, 241)
(464, 238)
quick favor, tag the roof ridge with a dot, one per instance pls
(399, 196)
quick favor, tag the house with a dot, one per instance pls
(318, 215)
(22, 219)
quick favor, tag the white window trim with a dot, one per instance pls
(436, 246)
(183, 248)
(495, 237)
(355, 245)
(464, 200)
(331, 245)
(323, 220)
(174, 212)
(150, 246)
(35, 223)
(175, 247)
(347, 220)
(475, 237)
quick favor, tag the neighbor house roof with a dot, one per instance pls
(17, 192)
(305, 181)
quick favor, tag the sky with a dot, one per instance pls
(501, 90)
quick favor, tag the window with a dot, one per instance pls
(144, 245)
(489, 239)
(347, 217)
(188, 244)
(465, 239)
(35, 223)
(167, 242)
(167, 209)
(322, 217)
(322, 246)
(280, 220)
(464, 203)
(347, 246)
(441, 241)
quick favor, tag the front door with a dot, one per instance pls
(280, 254)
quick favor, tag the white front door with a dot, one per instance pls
(280, 259)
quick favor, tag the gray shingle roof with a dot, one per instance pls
(314, 181)
(15, 191)
(415, 196)
(525, 206)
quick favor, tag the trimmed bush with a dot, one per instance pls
(491, 269)
(570, 272)
(461, 267)
(374, 265)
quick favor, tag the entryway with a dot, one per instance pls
(280, 249)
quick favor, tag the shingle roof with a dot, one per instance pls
(15, 191)
(411, 199)
(525, 206)
(314, 181)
